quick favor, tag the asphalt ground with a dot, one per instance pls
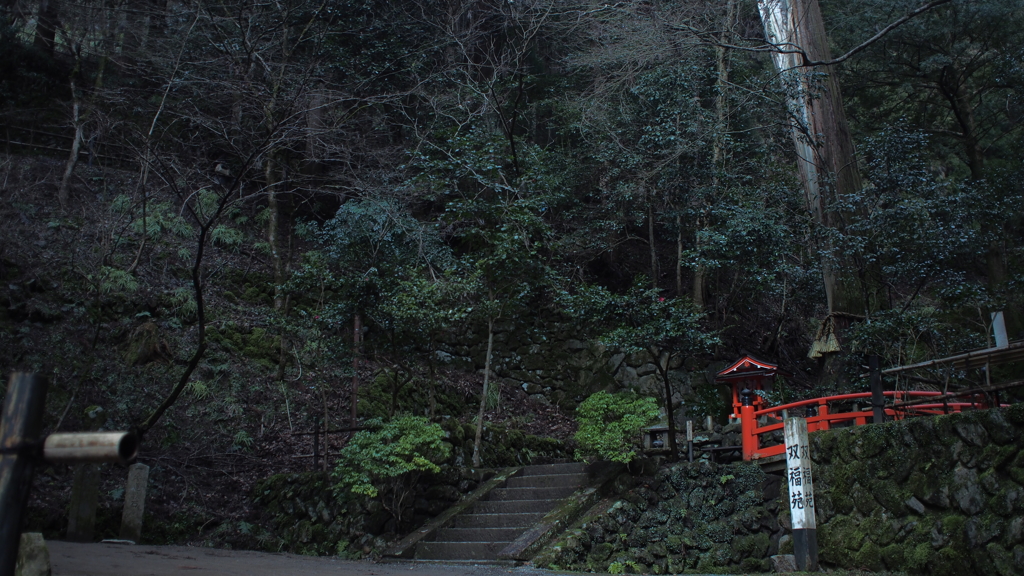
(74, 559)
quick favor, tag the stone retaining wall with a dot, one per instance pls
(701, 517)
(302, 516)
(938, 495)
(550, 364)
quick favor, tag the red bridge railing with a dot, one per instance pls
(823, 417)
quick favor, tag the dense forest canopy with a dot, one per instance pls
(398, 170)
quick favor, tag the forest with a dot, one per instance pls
(227, 223)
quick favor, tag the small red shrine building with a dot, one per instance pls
(750, 373)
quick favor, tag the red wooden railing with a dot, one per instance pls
(825, 418)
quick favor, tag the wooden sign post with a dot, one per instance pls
(20, 424)
(801, 495)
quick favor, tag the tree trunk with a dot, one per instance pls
(76, 146)
(952, 88)
(357, 336)
(718, 153)
(483, 397)
(273, 210)
(673, 453)
(650, 241)
(679, 255)
(327, 425)
(825, 154)
(47, 22)
(149, 27)
(193, 363)
(276, 260)
(432, 399)
(315, 126)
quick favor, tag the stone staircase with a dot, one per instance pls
(490, 525)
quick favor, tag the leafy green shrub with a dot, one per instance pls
(387, 459)
(707, 401)
(610, 424)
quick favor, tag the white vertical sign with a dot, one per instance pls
(798, 474)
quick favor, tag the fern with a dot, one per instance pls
(183, 301)
(121, 204)
(160, 218)
(198, 389)
(227, 236)
(114, 280)
(263, 216)
(243, 439)
(493, 395)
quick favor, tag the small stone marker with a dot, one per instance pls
(134, 502)
(33, 556)
(85, 492)
(801, 494)
(783, 563)
(689, 439)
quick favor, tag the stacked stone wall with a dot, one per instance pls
(701, 517)
(302, 515)
(548, 362)
(936, 495)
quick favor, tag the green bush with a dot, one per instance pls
(386, 460)
(610, 424)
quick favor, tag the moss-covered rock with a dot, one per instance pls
(939, 495)
(688, 516)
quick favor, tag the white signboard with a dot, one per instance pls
(798, 474)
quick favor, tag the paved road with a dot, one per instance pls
(71, 559)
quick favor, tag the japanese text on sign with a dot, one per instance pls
(798, 474)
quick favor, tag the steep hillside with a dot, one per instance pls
(111, 322)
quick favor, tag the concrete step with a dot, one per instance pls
(490, 525)
(479, 534)
(459, 550)
(513, 520)
(531, 493)
(547, 481)
(545, 469)
(513, 506)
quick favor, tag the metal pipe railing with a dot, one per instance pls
(20, 450)
(79, 447)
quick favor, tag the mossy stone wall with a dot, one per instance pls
(301, 514)
(547, 361)
(501, 447)
(701, 517)
(939, 495)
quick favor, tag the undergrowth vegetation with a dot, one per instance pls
(238, 228)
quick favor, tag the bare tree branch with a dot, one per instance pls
(708, 38)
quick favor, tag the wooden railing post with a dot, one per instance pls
(823, 411)
(20, 424)
(749, 423)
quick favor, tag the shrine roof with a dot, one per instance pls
(749, 366)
